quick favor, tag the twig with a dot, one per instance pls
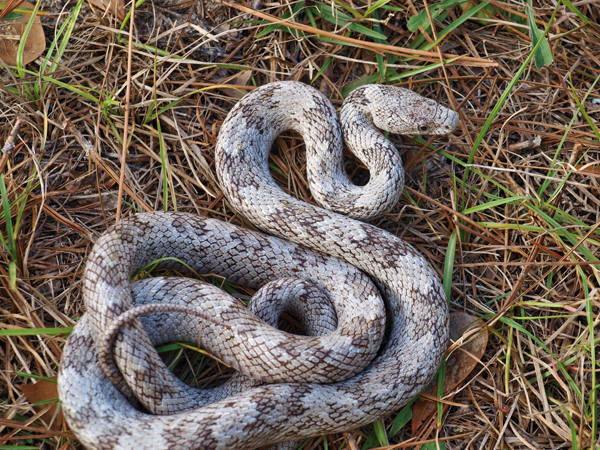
(127, 112)
(10, 144)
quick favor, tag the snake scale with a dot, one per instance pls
(379, 311)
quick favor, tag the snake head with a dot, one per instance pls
(401, 111)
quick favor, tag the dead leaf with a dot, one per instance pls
(114, 7)
(240, 79)
(40, 392)
(588, 169)
(11, 32)
(459, 365)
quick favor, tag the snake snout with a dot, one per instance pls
(452, 122)
(444, 121)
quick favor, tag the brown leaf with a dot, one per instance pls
(114, 7)
(588, 169)
(240, 79)
(40, 392)
(459, 364)
(11, 32)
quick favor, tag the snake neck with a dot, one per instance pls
(366, 141)
(254, 123)
(327, 177)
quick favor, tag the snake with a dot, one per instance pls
(378, 307)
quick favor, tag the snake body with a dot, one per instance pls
(319, 255)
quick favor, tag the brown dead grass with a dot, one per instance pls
(514, 267)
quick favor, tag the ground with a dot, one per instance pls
(505, 208)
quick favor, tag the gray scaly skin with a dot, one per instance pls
(328, 250)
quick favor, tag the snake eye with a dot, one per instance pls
(423, 127)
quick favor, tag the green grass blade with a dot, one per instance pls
(422, 19)
(18, 447)
(572, 7)
(401, 419)
(375, 6)
(543, 55)
(352, 11)
(22, 201)
(379, 428)
(572, 427)
(500, 104)
(128, 15)
(35, 377)
(152, 265)
(507, 371)
(559, 364)
(54, 59)
(582, 109)
(380, 62)
(441, 378)
(441, 445)
(391, 59)
(163, 109)
(420, 70)
(454, 25)
(590, 315)
(11, 15)
(574, 240)
(322, 69)
(495, 203)
(358, 83)
(70, 87)
(286, 15)
(12, 247)
(36, 331)
(152, 115)
(449, 265)
(164, 162)
(23, 41)
(343, 20)
(392, 8)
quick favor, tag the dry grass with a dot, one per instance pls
(511, 198)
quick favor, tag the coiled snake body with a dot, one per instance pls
(318, 254)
